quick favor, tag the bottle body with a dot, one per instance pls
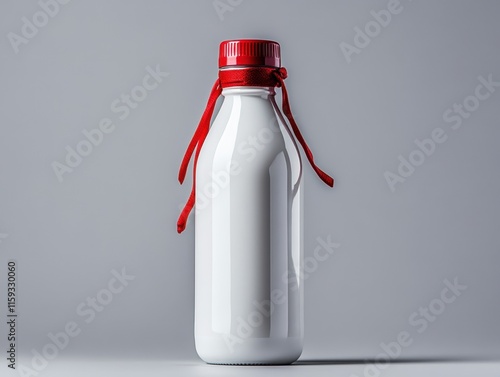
(248, 235)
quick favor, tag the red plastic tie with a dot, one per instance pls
(258, 76)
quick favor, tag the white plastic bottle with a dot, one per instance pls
(248, 227)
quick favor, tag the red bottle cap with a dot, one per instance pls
(253, 52)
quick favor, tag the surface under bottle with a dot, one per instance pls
(248, 248)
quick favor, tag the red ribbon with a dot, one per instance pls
(258, 76)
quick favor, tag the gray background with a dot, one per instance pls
(118, 208)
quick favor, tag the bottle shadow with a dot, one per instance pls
(392, 361)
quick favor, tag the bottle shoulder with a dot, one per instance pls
(249, 142)
(245, 123)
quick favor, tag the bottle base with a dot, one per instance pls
(250, 351)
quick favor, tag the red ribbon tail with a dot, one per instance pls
(196, 142)
(209, 109)
(288, 112)
(181, 222)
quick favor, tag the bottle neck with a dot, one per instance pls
(256, 91)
